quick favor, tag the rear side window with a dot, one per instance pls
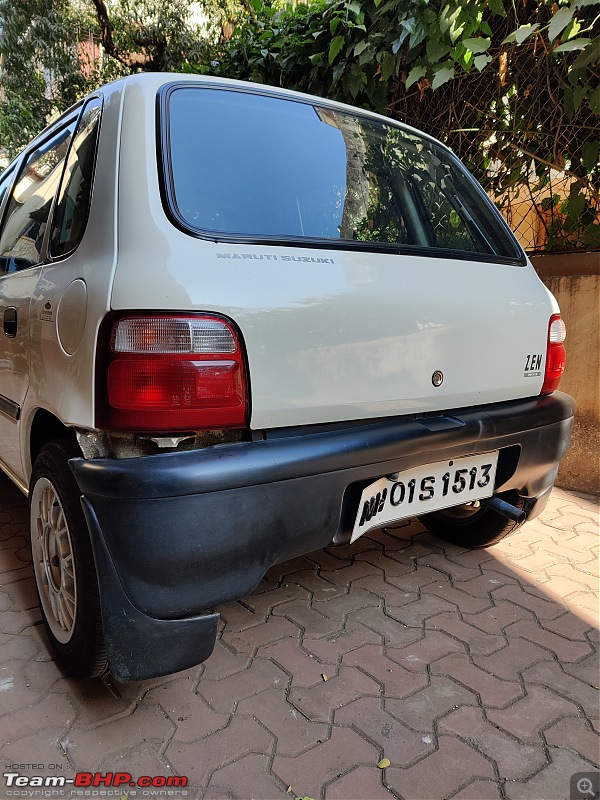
(258, 167)
(29, 205)
(73, 204)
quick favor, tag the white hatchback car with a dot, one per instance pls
(241, 324)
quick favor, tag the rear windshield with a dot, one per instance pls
(253, 166)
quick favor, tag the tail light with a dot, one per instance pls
(555, 354)
(174, 373)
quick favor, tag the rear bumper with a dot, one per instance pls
(176, 534)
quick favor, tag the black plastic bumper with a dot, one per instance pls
(176, 534)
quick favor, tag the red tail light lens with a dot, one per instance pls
(556, 357)
(174, 374)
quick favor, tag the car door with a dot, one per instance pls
(25, 219)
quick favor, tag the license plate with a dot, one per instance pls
(424, 489)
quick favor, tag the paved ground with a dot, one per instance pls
(474, 673)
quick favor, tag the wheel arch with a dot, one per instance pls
(45, 427)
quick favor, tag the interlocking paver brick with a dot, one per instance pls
(396, 741)
(247, 641)
(515, 760)
(88, 746)
(364, 782)
(320, 588)
(266, 601)
(238, 617)
(44, 746)
(477, 641)
(198, 760)
(222, 695)
(18, 647)
(484, 584)
(586, 670)
(568, 625)
(450, 567)
(313, 624)
(294, 732)
(479, 790)
(395, 680)
(552, 782)
(530, 715)
(414, 614)
(317, 703)
(572, 732)
(393, 631)
(421, 710)
(465, 602)
(443, 772)
(417, 656)
(493, 691)
(224, 663)
(308, 772)
(141, 760)
(261, 695)
(508, 662)
(47, 711)
(351, 572)
(246, 777)
(191, 717)
(416, 579)
(565, 649)
(549, 674)
(380, 587)
(303, 669)
(339, 607)
(331, 649)
(543, 608)
(495, 619)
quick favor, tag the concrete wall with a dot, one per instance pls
(575, 282)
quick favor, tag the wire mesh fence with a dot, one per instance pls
(529, 137)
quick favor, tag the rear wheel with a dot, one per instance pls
(473, 524)
(63, 563)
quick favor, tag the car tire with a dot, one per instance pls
(473, 525)
(63, 563)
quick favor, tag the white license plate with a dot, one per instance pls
(424, 489)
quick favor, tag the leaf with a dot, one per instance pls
(334, 24)
(334, 48)
(399, 41)
(572, 44)
(315, 58)
(497, 7)
(521, 34)
(384, 763)
(388, 66)
(477, 45)
(442, 76)
(354, 6)
(594, 100)
(482, 61)
(415, 75)
(559, 22)
(358, 48)
(589, 154)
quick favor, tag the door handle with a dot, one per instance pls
(10, 322)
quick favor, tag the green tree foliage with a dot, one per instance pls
(45, 46)
(511, 87)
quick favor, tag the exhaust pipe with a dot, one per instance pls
(504, 508)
